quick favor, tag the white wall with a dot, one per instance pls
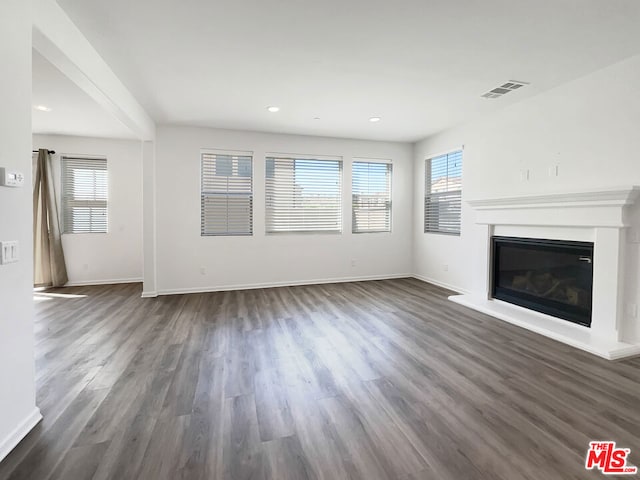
(269, 259)
(588, 128)
(115, 256)
(18, 412)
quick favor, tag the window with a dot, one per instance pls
(371, 197)
(226, 194)
(303, 195)
(84, 195)
(443, 193)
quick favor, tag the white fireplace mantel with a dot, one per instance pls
(597, 215)
(592, 208)
(614, 197)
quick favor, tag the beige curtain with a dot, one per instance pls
(49, 268)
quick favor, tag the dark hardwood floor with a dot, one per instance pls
(370, 380)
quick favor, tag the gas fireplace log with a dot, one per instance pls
(546, 285)
(522, 282)
(553, 288)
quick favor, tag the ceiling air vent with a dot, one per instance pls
(503, 89)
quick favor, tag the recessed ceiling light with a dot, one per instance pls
(316, 118)
(273, 109)
(374, 119)
(42, 108)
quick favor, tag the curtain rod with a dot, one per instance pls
(51, 152)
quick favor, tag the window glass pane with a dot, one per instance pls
(443, 193)
(270, 168)
(224, 166)
(84, 195)
(303, 195)
(244, 167)
(371, 192)
(226, 195)
(439, 179)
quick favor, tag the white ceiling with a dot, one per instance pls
(73, 112)
(421, 65)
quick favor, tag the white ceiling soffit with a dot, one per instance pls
(72, 111)
(60, 41)
(420, 65)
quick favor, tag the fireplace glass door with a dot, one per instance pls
(549, 276)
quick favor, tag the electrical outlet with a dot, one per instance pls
(524, 175)
(353, 262)
(554, 171)
(203, 271)
(445, 267)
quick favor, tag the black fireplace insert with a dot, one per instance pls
(549, 276)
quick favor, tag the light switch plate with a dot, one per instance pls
(9, 252)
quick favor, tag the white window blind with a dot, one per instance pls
(303, 195)
(371, 197)
(443, 193)
(226, 194)
(84, 195)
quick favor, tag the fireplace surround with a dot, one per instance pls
(600, 217)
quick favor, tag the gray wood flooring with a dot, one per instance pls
(370, 380)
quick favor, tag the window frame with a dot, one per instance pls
(428, 194)
(68, 227)
(211, 194)
(305, 157)
(389, 206)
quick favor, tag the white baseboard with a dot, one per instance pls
(152, 294)
(110, 281)
(252, 286)
(440, 284)
(21, 431)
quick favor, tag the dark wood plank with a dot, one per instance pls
(244, 458)
(81, 463)
(285, 460)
